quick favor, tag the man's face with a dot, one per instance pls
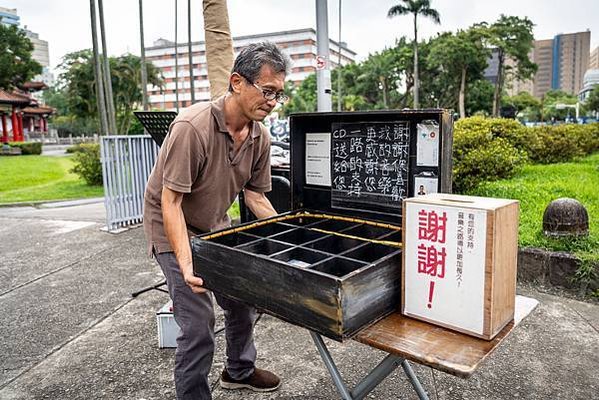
(254, 106)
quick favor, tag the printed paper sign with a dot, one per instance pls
(427, 144)
(425, 185)
(318, 159)
(445, 265)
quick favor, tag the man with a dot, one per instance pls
(212, 152)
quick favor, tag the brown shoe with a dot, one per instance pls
(259, 381)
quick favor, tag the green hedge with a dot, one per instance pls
(483, 151)
(88, 164)
(488, 149)
(28, 148)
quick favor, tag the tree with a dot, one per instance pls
(480, 97)
(512, 38)
(16, 64)
(415, 7)
(79, 86)
(303, 97)
(462, 56)
(558, 105)
(527, 106)
(592, 102)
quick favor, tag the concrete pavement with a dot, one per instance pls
(71, 330)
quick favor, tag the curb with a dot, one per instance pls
(53, 203)
(551, 268)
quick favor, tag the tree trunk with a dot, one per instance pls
(98, 72)
(191, 78)
(219, 46)
(111, 119)
(462, 93)
(416, 81)
(383, 84)
(176, 61)
(144, 77)
(498, 85)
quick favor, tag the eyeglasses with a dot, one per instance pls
(268, 94)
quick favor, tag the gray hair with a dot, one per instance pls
(250, 60)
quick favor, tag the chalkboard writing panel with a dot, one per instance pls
(369, 165)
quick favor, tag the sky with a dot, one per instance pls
(65, 24)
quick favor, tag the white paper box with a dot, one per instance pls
(459, 266)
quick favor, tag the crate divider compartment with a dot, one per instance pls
(333, 225)
(369, 231)
(234, 239)
(370, 252)
(298, 235)
(301, 257)
(334, 244)
(338, 266)
(267, 230)
(302, 220)
(265, 247)
(394, 236)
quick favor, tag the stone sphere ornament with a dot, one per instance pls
(565, 217)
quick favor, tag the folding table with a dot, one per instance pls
(409, 339)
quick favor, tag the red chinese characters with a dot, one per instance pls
(432, 254)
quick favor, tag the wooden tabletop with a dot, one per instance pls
(440, 348)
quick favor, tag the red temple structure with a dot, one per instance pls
(21, 112)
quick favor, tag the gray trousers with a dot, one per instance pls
(194, 314)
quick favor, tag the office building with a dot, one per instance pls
(8, 16)
(40, 47)
(561, 61)
(594, 59)
(300, 45)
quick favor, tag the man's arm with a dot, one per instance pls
(176, 232)
(259, 204)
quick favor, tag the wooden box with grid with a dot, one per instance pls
(333, 263)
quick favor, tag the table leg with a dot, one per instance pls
(376, 376)
(373, 379)
(330, 364)
(414, 380)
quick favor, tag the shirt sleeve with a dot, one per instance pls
(260, 179)
(184, 155)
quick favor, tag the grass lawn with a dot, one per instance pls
(538, 185)
(37, 178)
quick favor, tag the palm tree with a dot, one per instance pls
(415, 7)
(144, 76)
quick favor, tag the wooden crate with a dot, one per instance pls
(460, 257)
(338, 269)
(330, 274)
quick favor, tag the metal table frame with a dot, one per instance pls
(374, 377)
(399, 346)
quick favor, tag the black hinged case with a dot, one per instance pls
(333, 263)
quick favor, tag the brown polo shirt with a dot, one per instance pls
(197, 158)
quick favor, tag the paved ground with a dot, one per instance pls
(71, 330)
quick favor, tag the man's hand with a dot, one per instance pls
(194, 282)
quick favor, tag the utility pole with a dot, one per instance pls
(144, 73)
(98, 72)
(176, 61)
(339, 64)
(323, 65)
(107, 77)
(191, 84)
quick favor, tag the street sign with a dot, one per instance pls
(321, 62)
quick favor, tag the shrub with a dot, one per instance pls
(79, 147)
(28, 148)
(486, 150)
(88, 164)
(555, 144)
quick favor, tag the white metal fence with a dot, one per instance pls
(126, 165)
